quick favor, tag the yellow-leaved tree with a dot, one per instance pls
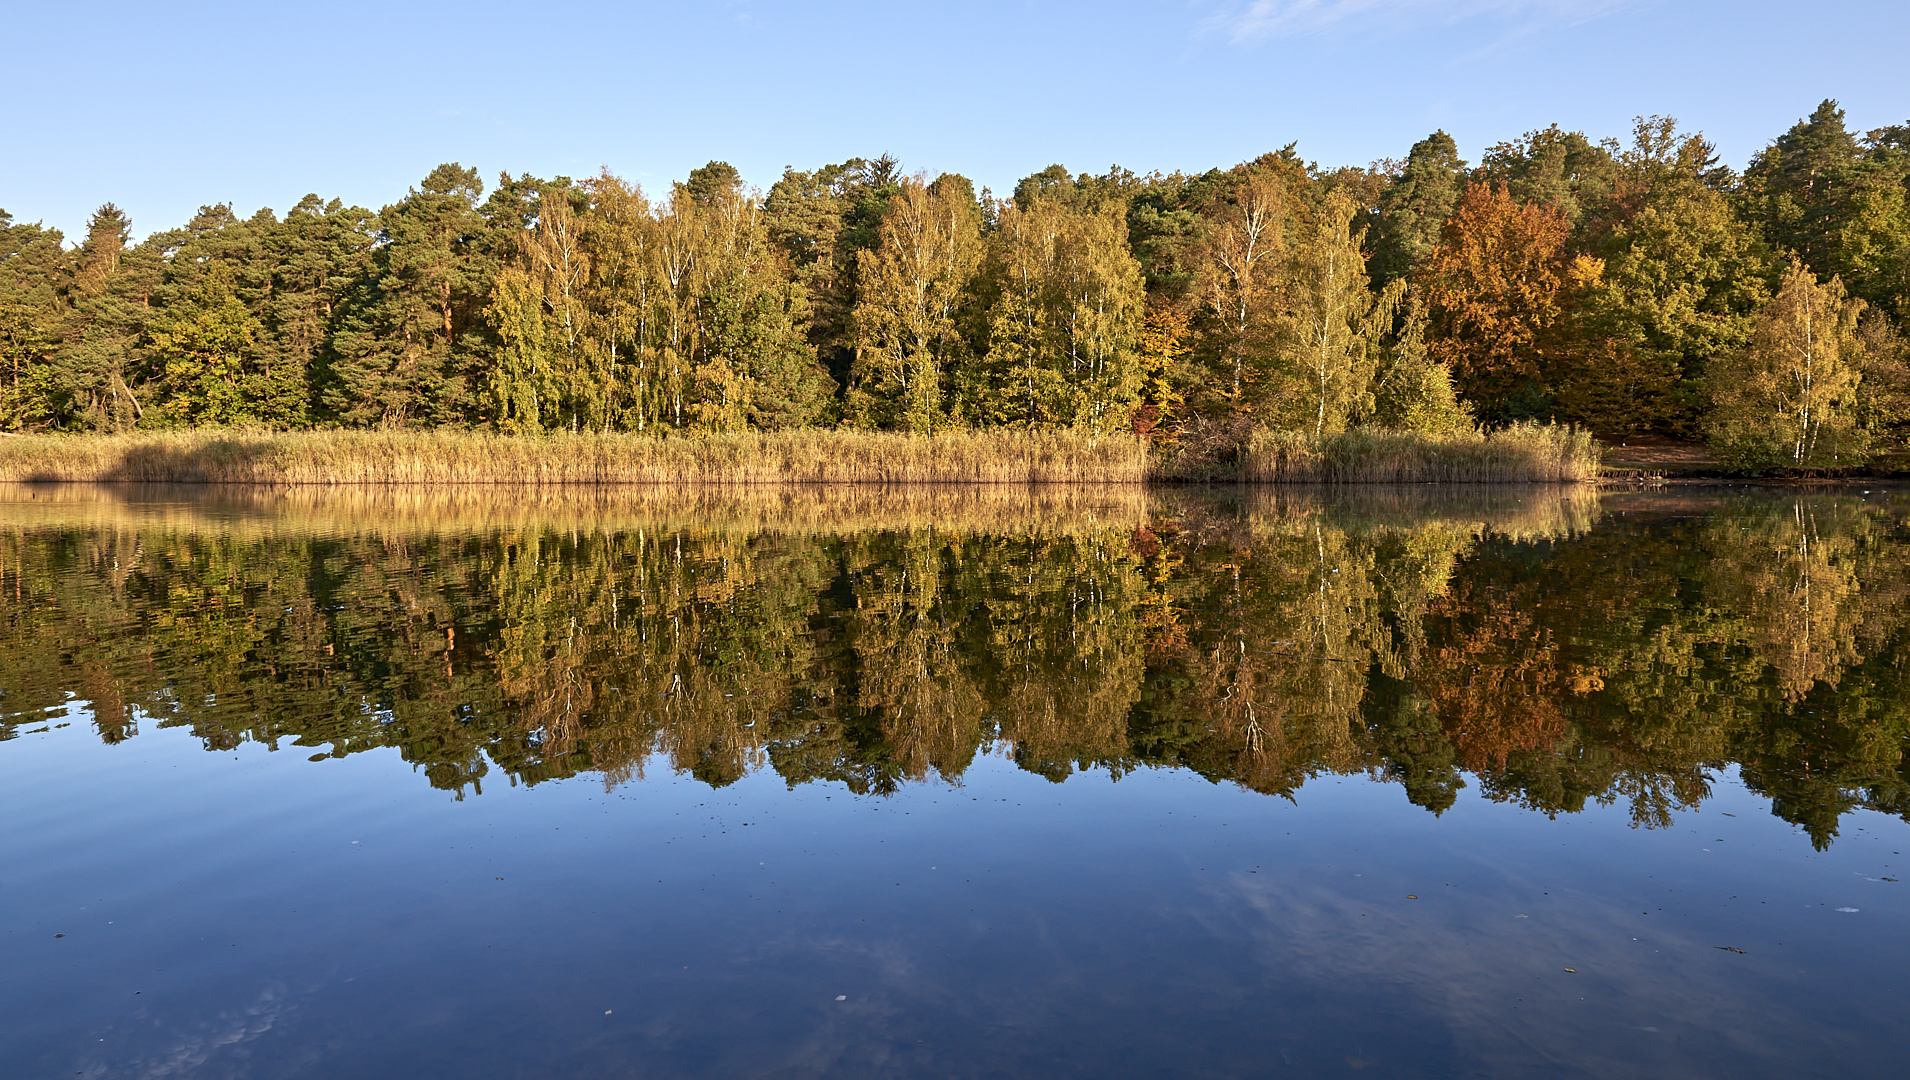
(618, 242)
(911, 285)
(1065, 321)
(1789, 399)
(1238, 276)
(1333, 324)
(541, 378)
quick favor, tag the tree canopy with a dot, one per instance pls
(1628, 287)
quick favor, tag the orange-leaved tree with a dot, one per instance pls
(1496, 282)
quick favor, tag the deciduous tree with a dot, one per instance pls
(1790, 398)
(1239, 259)
(1333, 323)
(1495, 285)
(911, 285)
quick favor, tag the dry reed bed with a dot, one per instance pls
(820, 456)
(1523, 453)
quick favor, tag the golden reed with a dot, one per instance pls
(1523, 454)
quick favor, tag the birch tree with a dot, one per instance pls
(1017, 382)
(542, 377)
(618, 240)
(911, 285)
(1098, 311)
(1332, 324)
(1065, 323)
(1790, 398)
(1239, 262)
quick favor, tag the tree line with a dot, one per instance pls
(1633, 288)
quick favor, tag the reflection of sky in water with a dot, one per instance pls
(1715, 670)
(221, 921)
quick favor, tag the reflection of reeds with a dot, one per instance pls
(806, 510)
(1518, 511)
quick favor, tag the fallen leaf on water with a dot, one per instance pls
(1728, 948)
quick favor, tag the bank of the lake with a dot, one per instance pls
(1527, 454)
(1670, 460)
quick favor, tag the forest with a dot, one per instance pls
(1631, 288)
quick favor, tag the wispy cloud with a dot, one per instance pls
(1258, 20)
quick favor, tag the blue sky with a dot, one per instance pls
(162, 107)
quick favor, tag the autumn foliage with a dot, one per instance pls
(1496, 282)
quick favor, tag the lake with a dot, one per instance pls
(954, 782)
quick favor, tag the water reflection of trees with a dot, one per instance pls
(1509, 642)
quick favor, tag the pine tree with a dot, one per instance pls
(108, 235)
(32, 265)
(1414, 206)
(315, 255)
(823, 221)
(213, 356)
(398, 357)
(1796, 185)
(107, 301)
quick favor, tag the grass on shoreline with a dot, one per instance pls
(1523, 453)
(818, 456)
(1530, 454)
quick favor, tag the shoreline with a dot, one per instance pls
(450, 458)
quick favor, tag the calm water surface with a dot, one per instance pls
(954, 783)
